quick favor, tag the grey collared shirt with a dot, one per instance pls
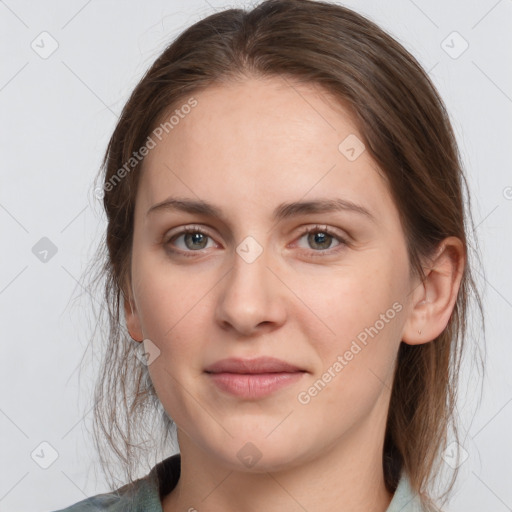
(145, 494)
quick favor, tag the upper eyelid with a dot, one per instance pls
(188, 229)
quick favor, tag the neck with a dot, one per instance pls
(345, 477)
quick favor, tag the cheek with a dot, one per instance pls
(174, 306)
(359, 306)
(166, 295)
(173, 317)
(356, 363)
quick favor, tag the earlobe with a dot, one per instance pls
(434, 298)
(132, 318)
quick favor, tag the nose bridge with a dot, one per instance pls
(249, 277)
(250, 295)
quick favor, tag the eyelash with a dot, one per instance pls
(310, 229)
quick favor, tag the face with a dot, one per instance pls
(321, 287)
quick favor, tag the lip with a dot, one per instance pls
(252, 366)
(253, 378)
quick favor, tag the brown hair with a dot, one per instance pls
(405, 128)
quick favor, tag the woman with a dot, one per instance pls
(287, 240)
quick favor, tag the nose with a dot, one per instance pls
(252, 299)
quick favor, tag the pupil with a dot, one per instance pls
(319, 239)
(196, 238)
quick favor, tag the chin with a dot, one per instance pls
(258, 456)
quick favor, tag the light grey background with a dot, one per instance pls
(57, 114)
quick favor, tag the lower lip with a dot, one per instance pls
(254, 385)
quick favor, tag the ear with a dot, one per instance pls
(434, 298)
(131, 315)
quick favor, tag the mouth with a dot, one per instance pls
(253, 379)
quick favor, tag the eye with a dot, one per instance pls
(193, 239)
(321, 238)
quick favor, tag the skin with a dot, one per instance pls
(247, 147)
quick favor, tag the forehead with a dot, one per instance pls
(258, 142)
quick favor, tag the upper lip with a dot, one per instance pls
(257, 365)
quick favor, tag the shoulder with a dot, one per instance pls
(143, 495)
(124, 499)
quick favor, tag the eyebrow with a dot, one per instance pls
(282, 211)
